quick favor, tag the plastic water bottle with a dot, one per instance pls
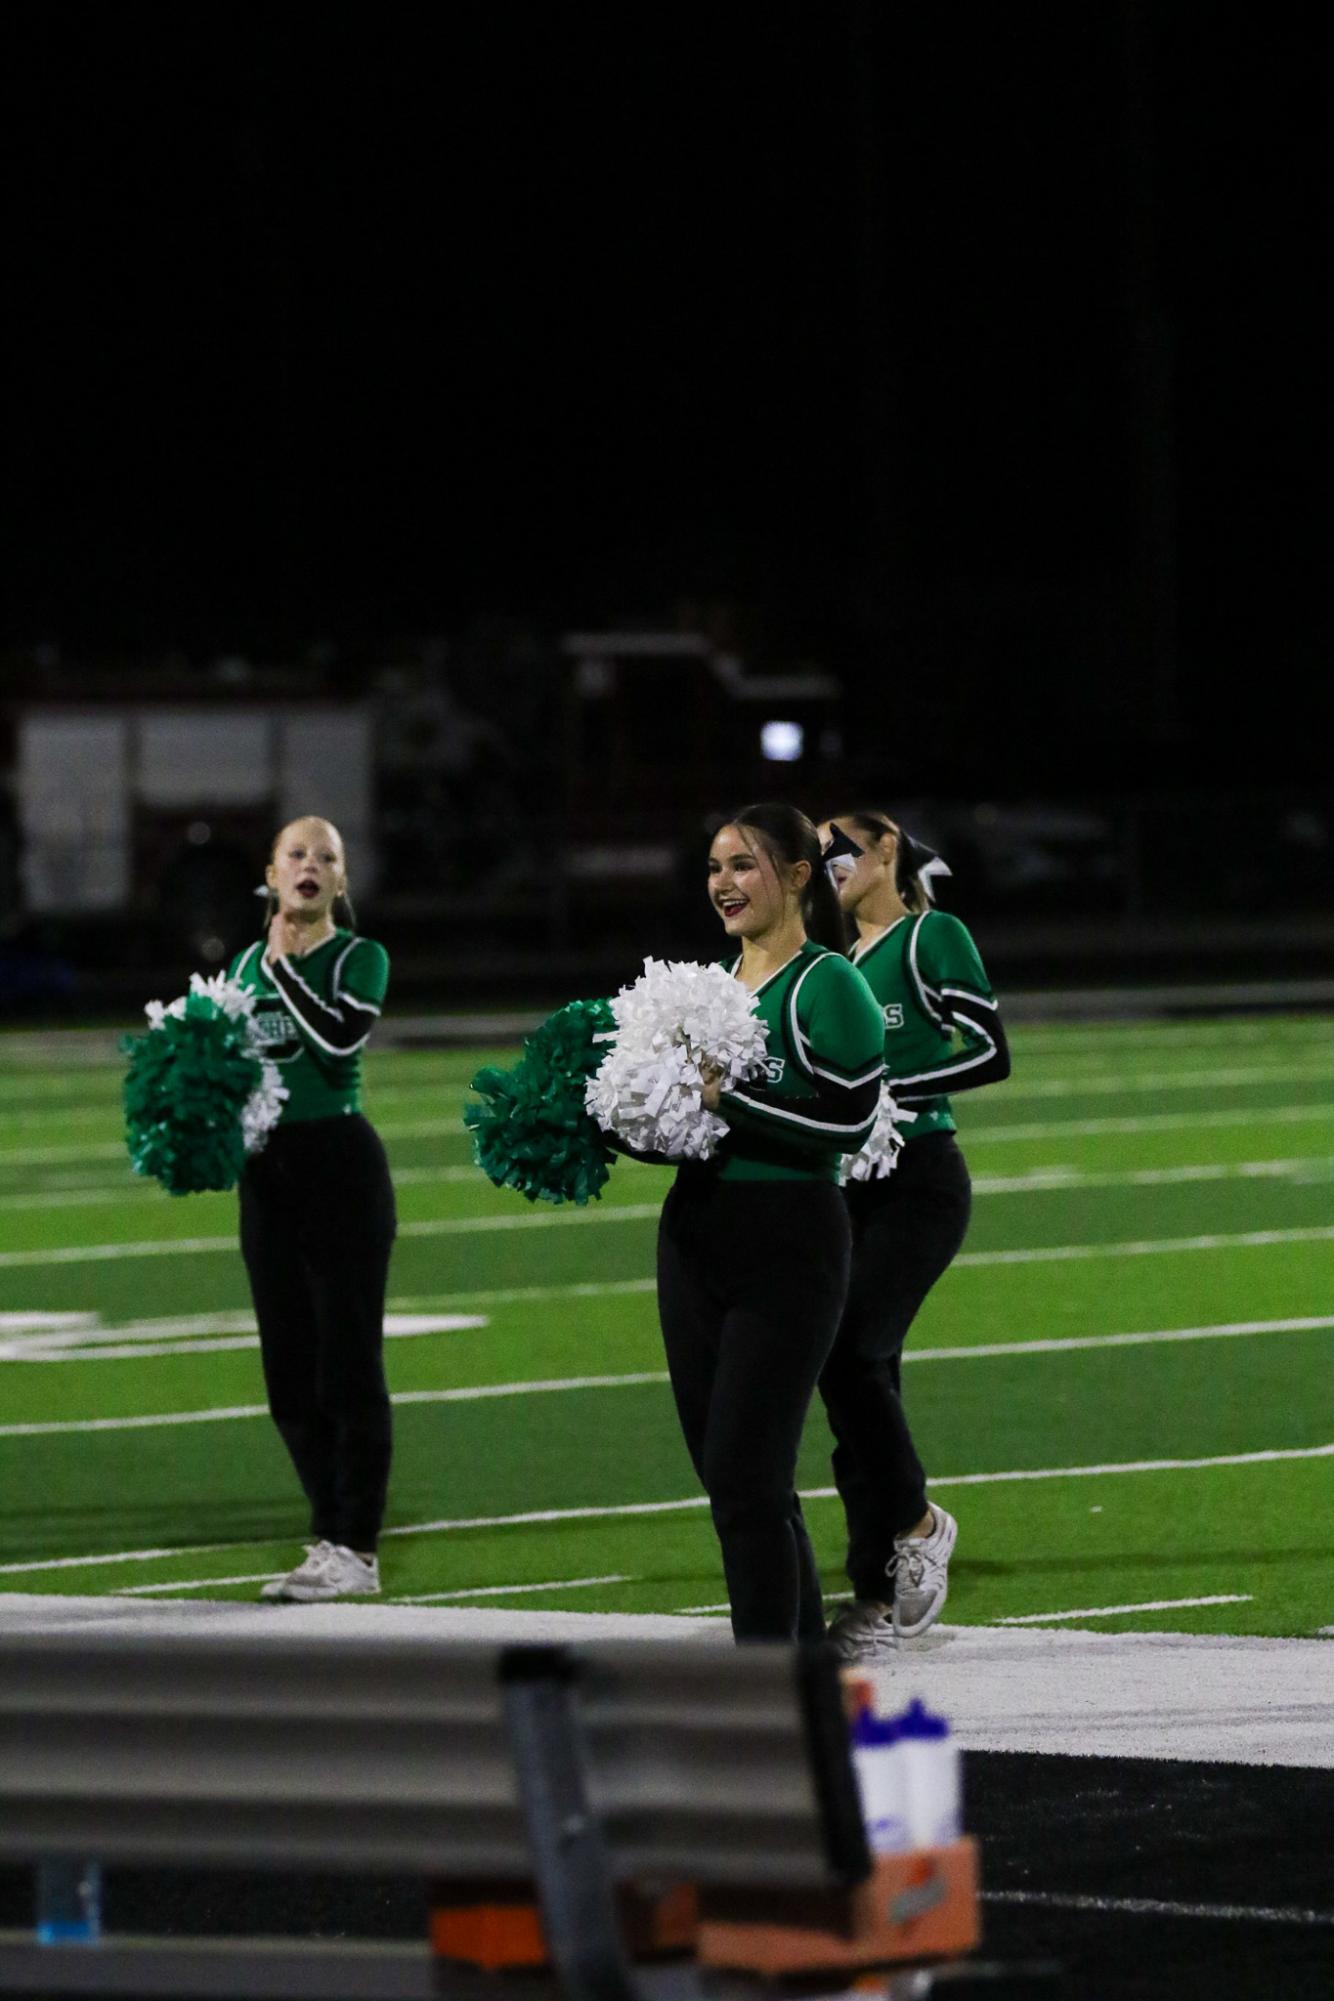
(929, 1761)
(877, 1762)
(69, 1901)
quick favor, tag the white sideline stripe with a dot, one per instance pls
(639, 1212)
(983, 1350)
(510, 1590)
(694, 1501)
(1156, 1907)
(977, 1133)
(1113, 1611)
(224, 1414)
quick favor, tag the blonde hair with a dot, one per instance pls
(342, 911)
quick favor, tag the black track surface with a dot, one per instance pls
(1231, 1836)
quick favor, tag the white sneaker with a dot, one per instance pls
(862, 1631)
(921, 1575)
(328, 1570)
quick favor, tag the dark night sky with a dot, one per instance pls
(978, 340)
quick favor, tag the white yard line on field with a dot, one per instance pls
(1150, 1246)
(831, 1493)
(130, 1188)
(977, 1131)
(1223, 1330)
(30, 1350)
(195, 1584)
(229, 1413)
(1041, 1180)
(1115, 1611)
(193, 1334)
(1112, 1082)
(420, 1598)
(695, 1501)
(1034, 1181)
(1171, 1080)
(443, 1226)
(510, 1590)
(639, 1212)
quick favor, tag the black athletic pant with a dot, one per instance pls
(906, 1229)
(752, 1277)
(317, 1227)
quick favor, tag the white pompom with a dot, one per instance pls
(674, 1022)
(229, 995)
(880, 1154)
(264, 1107)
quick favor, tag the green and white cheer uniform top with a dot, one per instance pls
(818, 1095)
(942, 1025)
(315, 1015)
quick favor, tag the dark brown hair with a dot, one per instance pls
(787, 836)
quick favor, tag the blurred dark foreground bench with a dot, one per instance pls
(614, 1821)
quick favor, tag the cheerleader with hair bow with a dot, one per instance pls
(908, 1215)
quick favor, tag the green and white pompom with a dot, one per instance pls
(675, 1022)
(880, 1155)
(199, 1094)
(530, 1131)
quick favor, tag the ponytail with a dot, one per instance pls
(789, 837)
(822, 913)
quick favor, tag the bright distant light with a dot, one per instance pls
(782, 743)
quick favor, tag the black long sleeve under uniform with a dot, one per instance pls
(753, 1257)
(317, 1229)
(943, 1033)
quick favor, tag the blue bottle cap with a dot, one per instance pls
(917, 1721)
(874, 1733)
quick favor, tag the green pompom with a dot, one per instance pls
(532, 1132)
(185, 1090)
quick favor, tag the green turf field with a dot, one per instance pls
(1123, 1388)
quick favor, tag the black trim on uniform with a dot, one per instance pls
(958, 1074)
(340, 1030)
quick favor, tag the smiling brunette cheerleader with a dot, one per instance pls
(317, 1212)
(943, 1033)
(753, 1247)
